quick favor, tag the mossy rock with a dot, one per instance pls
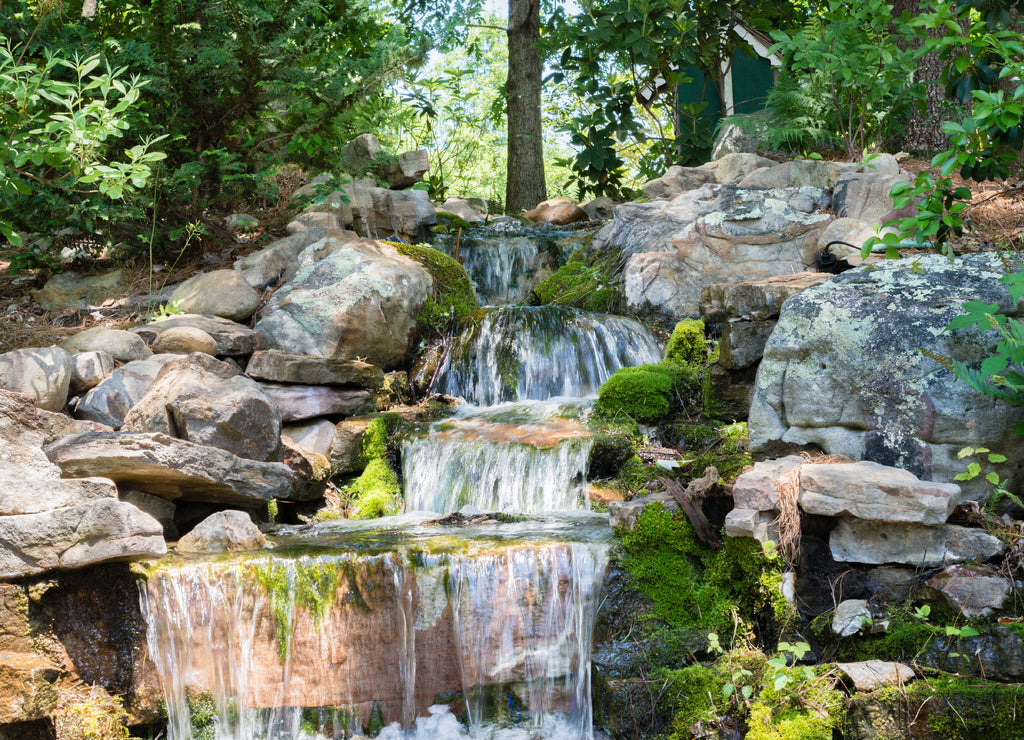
(687, 346)
(376, 492)
(379, 440)
(453, 291)
(646, 393)
(588, 280)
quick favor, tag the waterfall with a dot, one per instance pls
(541, 352)
(308, 647)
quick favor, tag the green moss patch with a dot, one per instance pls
(452, 287)
(588, 280)
(646, 393)
(376, 492)
(686, 346)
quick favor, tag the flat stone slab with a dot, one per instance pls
(298, 402)
(755, 300)
(879, 543)
(287, 367)
(868, 675)
(970, 590)
(231, 337)
(758, 488)
(171, 468)
(867, 490)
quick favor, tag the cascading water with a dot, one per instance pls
(304, 646)
(506, 262)
(541, 352)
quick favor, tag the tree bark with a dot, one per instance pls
(525, 186)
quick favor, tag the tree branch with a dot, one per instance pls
(504, 29)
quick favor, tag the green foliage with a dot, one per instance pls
(997, 487)
(646, 393)
(850, 58)
(697, 590)
(453, 291)
(686, 346)
(376, 492)
(202, 712)
(588, 280)
(62, 116)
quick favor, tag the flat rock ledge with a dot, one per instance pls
(171, 468)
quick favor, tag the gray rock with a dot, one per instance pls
(160, 509)
(298, 402)
(57, 424)
(88, 369)
(678, 180)
(184, 340)
(819, 382)
(265, 266)
(461, 208)
(360, 302)
(225, 531)
(969, 591)
(733, 137)
(203, 400)
(853, 231)
(759, 488)
(759, 525)
(346, 450)
(317, 220)
(315, 436)
(866, 197)
(284, 367)
(67, 290)
(742, 343)
(755, 300)
(409, 170)
(224, 293)
(850, 617)
(600, 208)
(241, 222)
(44, 374)
(171, 468)
(732, 168)
(623, 514)
(879, 543)
(867, 490)
(868, 675)
(232, 338)
(377, 212)
(113, 398)
(359, 154)
(123, 346)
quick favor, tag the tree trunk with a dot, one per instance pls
(923, 132)
(525, 186)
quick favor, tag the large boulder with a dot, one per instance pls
(88, 369)
(123, 346)
(360, 302)
(67, 290)
(846, 369)
(171, 468)
(44, 374)
(299, 402)
(224, 293)
(233, 339)
(201, 399)
(110, 400)
(266, 266)
(715, 234)
(283, 367)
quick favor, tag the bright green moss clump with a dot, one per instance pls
(589, 282)
(646, 393)
(378, 439)
(686, 346)
(377, 492)
(452, 288)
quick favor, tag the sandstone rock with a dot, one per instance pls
(268, 264)
(224, 293)
(44, 374)
(867, 490)
(171, 468)
(123, 346)
(878, 543)
(459, 207)
(310, 471)
(794, 174)
(56, 424)
(969, 591)
(88, 369)
(378, 212)
(754, 300)
(314, 436)
(623, 514)
(225, 531)
(28, 687)
(560, 215)
(759, 488)
(818, 381)
(15, 627)
(361, 301)
(113, 398)
(882, 163)
(19, 419)
(733, 137)
(67, 290)
(232, 338)
(853, 231)
(758, 525)
(409, 170)
(866, 197)
(742, 343)
(851, 616)
(184, 340)
(869, 675)
(347, 446)
(734, 167)
(298, 402)
(203, 400)
(160, 509)
(317, 220)
(284, 367)
(359, 154)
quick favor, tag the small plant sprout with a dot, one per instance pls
(975, 469)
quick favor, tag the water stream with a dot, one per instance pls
(435, 632)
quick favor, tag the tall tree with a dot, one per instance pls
(525, 186)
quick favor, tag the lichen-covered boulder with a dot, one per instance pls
(203, 400)
(265, 266)
(360, 302)
(845, 369)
